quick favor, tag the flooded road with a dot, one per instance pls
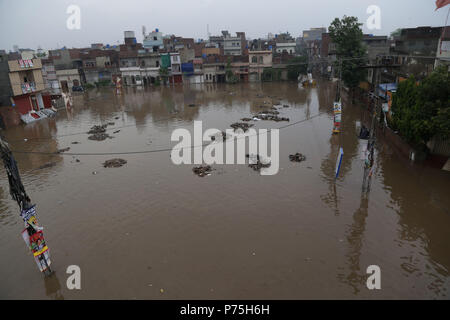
(154, 230)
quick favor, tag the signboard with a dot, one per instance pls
(337, 107)
(337, 110)
(34, 239)
(339, 162)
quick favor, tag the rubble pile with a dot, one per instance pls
(270, 117)
(114, 163)
(257, 163)
(99, 136)
(298, 157)
(63, 150)
(243, 126)
(222, 134)
(98, 129)
(202, 171)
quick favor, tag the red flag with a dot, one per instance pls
(441, 3)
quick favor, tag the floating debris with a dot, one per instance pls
(114, 163)
(273, 111)
(285, 106)
(298, 157)
(202, 171)
(99, 136)
(111, 123)
(246, 119)
(192, 105)
(243, 126)
(75, 142)
(98, 129)
(271, 117)
(222, 134)
(47, 165)
(117, 118)
(116, 131)
(257, 163)
(63, 150)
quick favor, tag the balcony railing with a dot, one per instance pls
(28, 87)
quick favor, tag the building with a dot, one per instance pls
(154, 41)
(26, 89)
(49, 77)
(313, 34)
(100, 65)
(376, 46)
(129, 37)
(443, 50)
(198, 71)
(240, 67)
(176, 75)
(286, 47)
(149, 66)
(67, 79)
(258, 61)
(234, 46)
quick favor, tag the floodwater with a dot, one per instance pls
(154, 230)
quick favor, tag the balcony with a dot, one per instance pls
(15, 65)
(28, 87)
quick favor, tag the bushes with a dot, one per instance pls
(420, 112)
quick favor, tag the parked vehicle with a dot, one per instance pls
(77, 89)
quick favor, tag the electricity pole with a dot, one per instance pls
(32, 234)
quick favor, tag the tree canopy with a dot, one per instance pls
(347, 35)
(422, 111)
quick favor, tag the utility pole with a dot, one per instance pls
(32, 234)
(368, 162)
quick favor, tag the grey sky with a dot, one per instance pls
(33, 23)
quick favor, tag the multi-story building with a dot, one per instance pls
(154, 41)
(49, 76)
(286, 47)
(175, 70)
(25, 89)
(234, 46)
(443, 50)
(258, 61)
(313, 34)
(67, 79)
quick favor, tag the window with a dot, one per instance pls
(155, 38)
(254, 59)
(261, 61)
(157, 63)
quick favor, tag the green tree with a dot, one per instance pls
(347, 35)
(297, 66)
(396, 32)
(230, 76)
(420, 112)
(164, 74)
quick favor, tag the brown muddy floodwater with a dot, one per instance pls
(152, 225)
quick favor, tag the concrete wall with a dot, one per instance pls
(5, 86)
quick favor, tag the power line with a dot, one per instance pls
(155, 150)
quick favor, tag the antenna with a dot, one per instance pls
(207, 31)
(143, 31)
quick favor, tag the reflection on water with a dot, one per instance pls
(53, 287)
(235, 234)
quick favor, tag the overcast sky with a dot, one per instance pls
(33, 23)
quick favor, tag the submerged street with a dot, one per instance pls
(154, 230)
